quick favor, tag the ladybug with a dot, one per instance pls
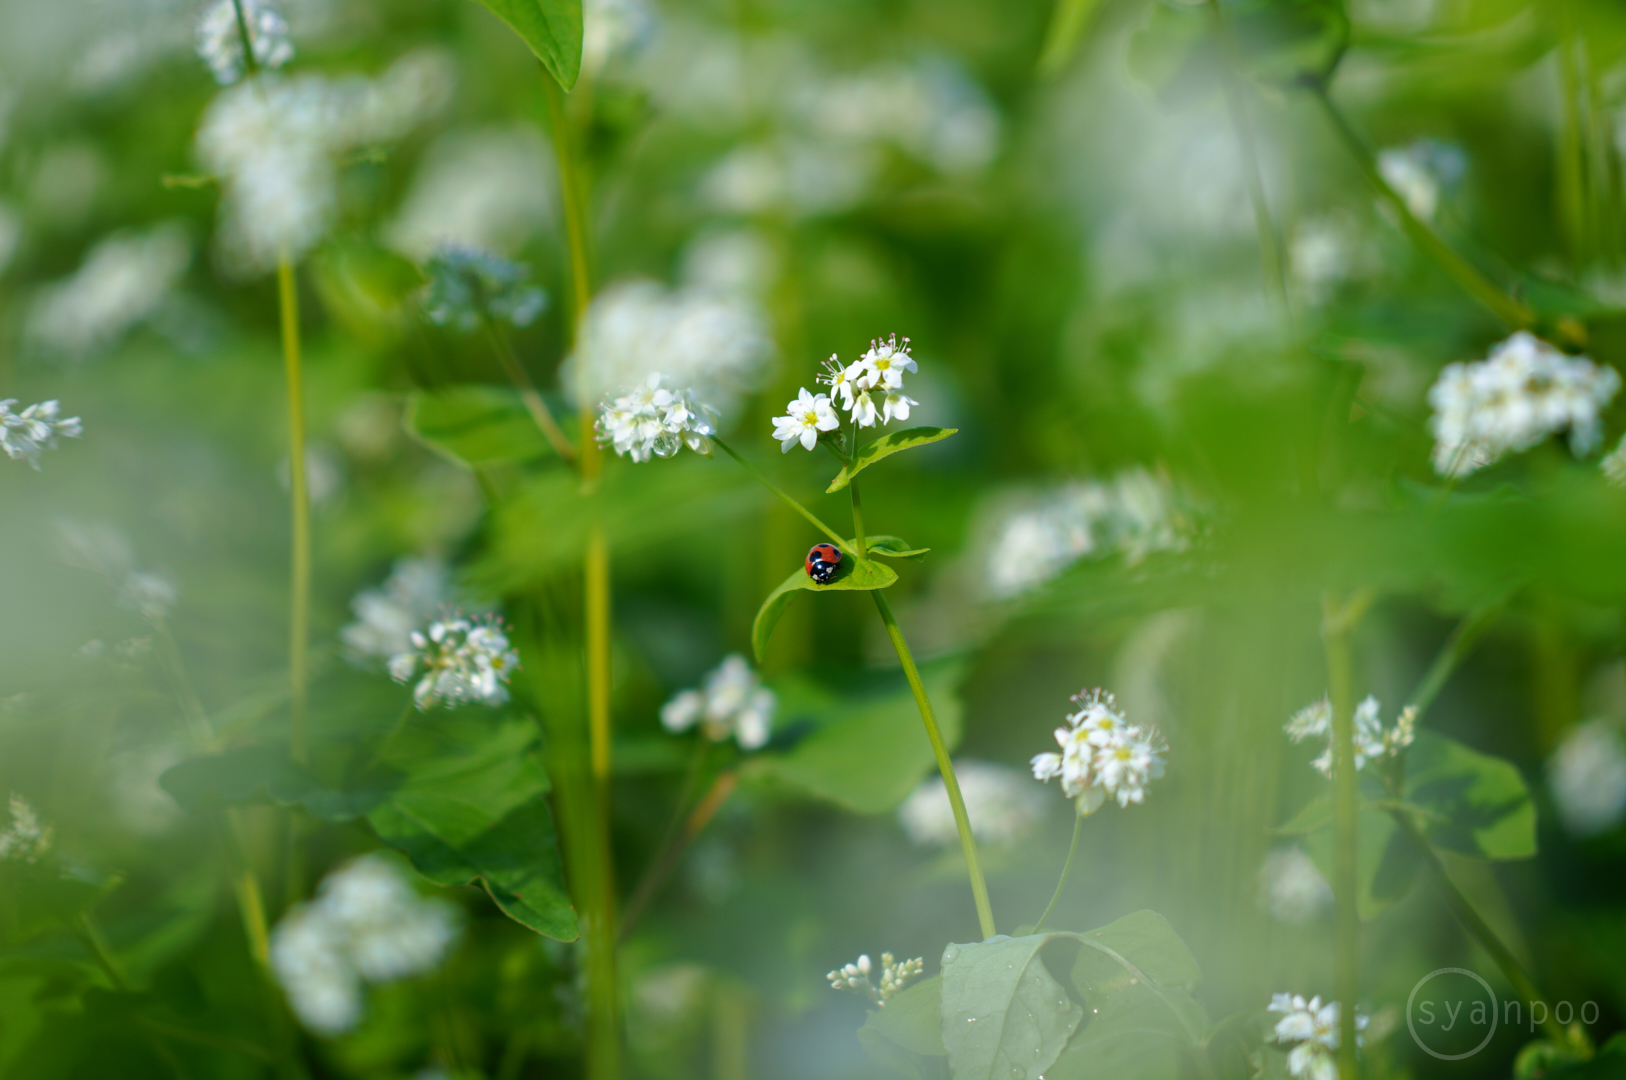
(823, 560)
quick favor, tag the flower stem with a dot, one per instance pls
(91, 941)
(1066, 868)
(528, 393)
(1337, 619)
(667, 860)
(779, 491)
(1511, 311)
(300, 600)
(962, 821)
(858, 521)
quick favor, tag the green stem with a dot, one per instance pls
(858, 521)
(300, 599)
(962, 821)
(706, 809)
(250, 64)
(1458, 645)
(1066, 868)
(1510, 310)
(1336, 622)
(840, 542)
(91, 941)
(534, 404)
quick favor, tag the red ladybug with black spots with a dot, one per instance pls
(823, 560)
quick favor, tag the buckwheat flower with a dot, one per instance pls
(886, 361)
(652, 421)
(864, 412)
(26, 839)
(124, 279)
(307, 957)
(1587, 778)
(1525, 391)
(489, 188)
(804, 419)
(1102, 754)
(894, 976)
(416, 590)
(896, 406)
(27, 434)
(730, 703)
(842, 381)
(613, 28)
(468, 287)
(1125, 766)
(460, 660)
(220, 38)
(1291, 886)
(1314, 1027)
(1001, 804)
(1420, 171)
(1372, 740)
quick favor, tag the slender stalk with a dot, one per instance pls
(1336, 621)
(571, 194)
(669, 837)
(528, 393)
(1066, 868)
(1510, 310)
(858, 521)
(667, 861)
(1456, 647)
(839, 541)
(92, 942)
(962, 821)
(299, 497)
(250, 63)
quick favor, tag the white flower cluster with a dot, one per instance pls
(855, 388)
(1102, 754)
(731, 702)
(1133, 514)
(123, 280)
(220, 37)
(275, 144)
(1001, 803)
(1314, 1027)
(1373, 741)
(461, 660)
(1420, 171)
(653, 421)
(26, 839)
(103, 550)
(895, 975)
(1587, 776)
(1291, 886)
(366, 925)
(1523, 392)
(26, 434)
(415, 592)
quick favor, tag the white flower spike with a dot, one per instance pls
(804, 420)
(27, 434)
(895, 975)
(461, 660)
(1102, 755)
(1373, 741)
(1314, 1027)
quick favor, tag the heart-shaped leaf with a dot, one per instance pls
(886, 446)
(1480, 804)
(474, 424)
(893, 547)
(553, 30)
(1005, 1017)
(854, 574)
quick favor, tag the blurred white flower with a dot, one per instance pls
(25, 839)
(139, 803)
(25, 435)
(1419, 171)
(894, 976)
(930, 109)
(731, 702)
(736, 262)
(1326, 252)
(1523, 392)
(491, 189)
(1102, 754)
(1372, 740)
(790, 175)
(804, 420)
(457, 660)
(614, 28)
(220, 37)
(1291, 887)
(652, 421)
(416, 591)
(365, 925)
(1000, 802)
(122, 281)
(1314, 1027)
(324, 476)
(468, 286)
(1587, 777)
(102, 549)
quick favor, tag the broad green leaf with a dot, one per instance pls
(893, 547)
(552, 29)
(1482, 802)
(1005, 1017)
(260, 774)
(866, 755)
(474, 424)
(1067, 25)
(886, 1053)
(471, 807)
(1126, 1037)
(1143, 940)
(886, 446)
(854, 574)
(912, 1019)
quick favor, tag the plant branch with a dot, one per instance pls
(858, 521)
(299, 497)
(1066, 868)
(668, 859)
(528, 393)
(839, 541)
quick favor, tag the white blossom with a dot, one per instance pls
(416, 590)
(614, 28)
(804, 420)
(739, 262)
(1587, 777)
(122, 281)
(730, 702)
(457, 660)
(652, 421)
(1001, 804)
(1523, 392)
(366, 925)
(1291, 886)
(1419, 171)
(490, 188)
(1314, 1028)
(220, 37)
(894, 976)
(26, 839)
(1102, 754)
(1373, 741)
(26, 434)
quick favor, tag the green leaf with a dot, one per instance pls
(866, 755)
(470, 808)
(553, 30)
(1385, 863)
(264, 774)
(893, 547)
(1482, 804)
(1067, 25)
(886, 446)
(1142, 940)
(912, 1019)
(854, 574)
(475, 424)
(1005, 1017)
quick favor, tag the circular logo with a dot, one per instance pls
(1461, 1006)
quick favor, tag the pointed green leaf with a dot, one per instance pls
(1067, 25)
(854, 575)
(475, 424)
(262, 774)
(553, 30)
(893, 547)
(1482, 804)
(1005, 1017)
(912, 1019)
(886, 446)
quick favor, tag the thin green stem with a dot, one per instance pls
(1066, 868)
(571, 194)
(1456, 647)
(1336, 623)
(667, 861)
(1510, 310)
(250, 63)
(962, 821)
(858, 521)
(299, 497)
(92, 942)
(528, 393)
(839, 541)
